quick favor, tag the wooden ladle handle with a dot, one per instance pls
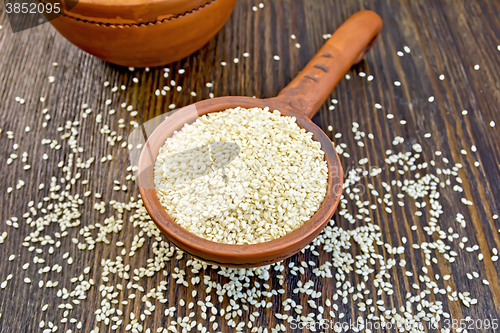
(347, 46)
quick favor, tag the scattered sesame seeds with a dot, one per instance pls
(441, 77)
(492, 123)
(276, 57)
(334, 240)
(477, 67)
(431, 99)
(407, 49)
(397, 83)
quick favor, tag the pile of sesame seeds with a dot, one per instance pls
(362, 253)
(275, 184)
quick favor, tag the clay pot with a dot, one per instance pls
(143, 33)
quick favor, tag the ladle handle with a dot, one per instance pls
(347, 46)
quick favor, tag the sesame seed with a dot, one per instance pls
(244, 233)
(247, 292)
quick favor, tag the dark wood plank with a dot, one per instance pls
(445, 37)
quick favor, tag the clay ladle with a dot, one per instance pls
(300, 99)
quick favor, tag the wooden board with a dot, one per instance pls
(446, 37)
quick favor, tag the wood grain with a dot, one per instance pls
(445, 37)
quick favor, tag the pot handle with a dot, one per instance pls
(347, 46)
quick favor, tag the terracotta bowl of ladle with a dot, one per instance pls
(300, 99)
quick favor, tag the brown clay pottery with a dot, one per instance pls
(300, 99)
(143, 33)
